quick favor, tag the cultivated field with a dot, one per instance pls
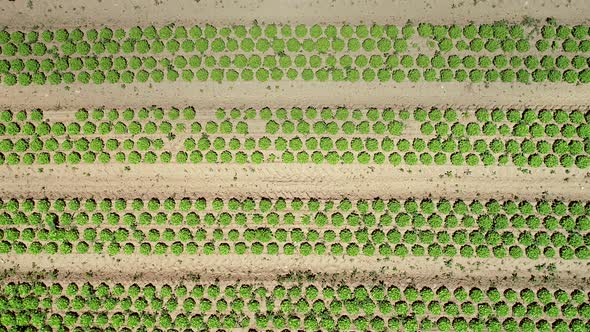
(367, 166)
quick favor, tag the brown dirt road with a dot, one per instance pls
(293, 180)
(254, 268)
(129, 13)
(299, 93)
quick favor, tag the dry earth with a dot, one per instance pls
(128, 13)
(212, 95)
(293, 180)
(470, 272)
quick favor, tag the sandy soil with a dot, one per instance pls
(299, 93)
(250, 268)
(295, 180)
(134, 12)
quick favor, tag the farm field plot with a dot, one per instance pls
(271, 52)
(218, 167)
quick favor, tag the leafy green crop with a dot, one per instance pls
(544, 138)
(287, 305)
(142, 54)
(442, 228)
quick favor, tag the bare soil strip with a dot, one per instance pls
(260, 268)
(299, 93)
(292, 180)
(67, 13)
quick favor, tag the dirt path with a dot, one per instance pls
(293, 180)
(298, 93)
(129, 13)
(410, 270)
